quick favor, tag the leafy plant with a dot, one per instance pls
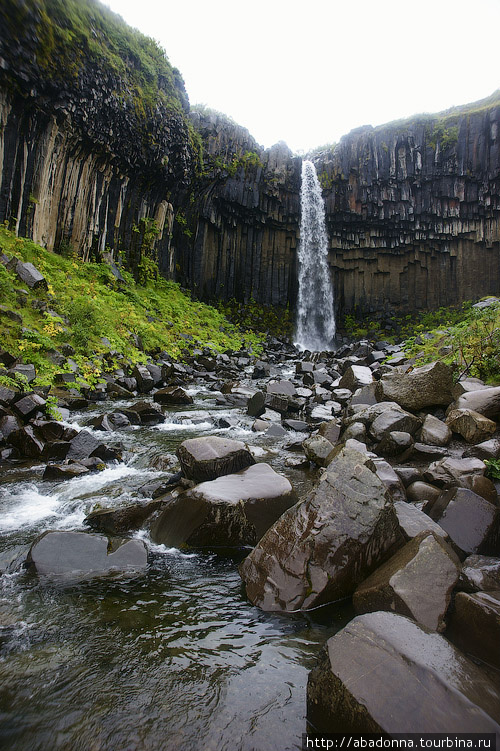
(492, 468)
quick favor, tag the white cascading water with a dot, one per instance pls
(315, 314)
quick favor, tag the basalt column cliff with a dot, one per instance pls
(99, 150)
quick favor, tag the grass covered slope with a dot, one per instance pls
(102, 319)
(467, 338)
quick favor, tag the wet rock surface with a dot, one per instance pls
(210, 457)
(322, 548)
(78, 553)
(432, 685)
(231, 511)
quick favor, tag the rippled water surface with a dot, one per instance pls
(173, 659)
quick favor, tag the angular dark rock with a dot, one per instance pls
(432, 685)
(28, 405)
(81, 554)
(256, 404)
(28, 274)
(413, 521)
(472, 523)
(323, 547)
(318, 450)
(27, 442)
(427, 386)
(471, 425)
(475, 625)
(124, 519)
(417, 582)
(64, 471)
(233, 510)
(172, 395)
(480, 573)
(209, 457)
(82, 445)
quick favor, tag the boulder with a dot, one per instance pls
(256, 405)
(417, 581)
(80, 554)
(422, 491)
(149, 414)
(472, 523)
(28, 405)
(124, 519)
(318, 450)
(282, 388)
(330, 430)
(471, 425)
(385, 673)
(64, 471)
(356, 377)
(82, 445)
(395, 443)
(209, 457)
(413, 521)
(231, 511)
(172, 395)
(322, 548)
(485, 450)
(427, 386)
(393, 418)
(451, 472)
(389, 477)
(435, 432)
(30, 275)
(145, 381)
(27, 442)
(8, 424)
(475, 625)
(480, 573)
(485, 401)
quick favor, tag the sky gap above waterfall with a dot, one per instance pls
(309, 74)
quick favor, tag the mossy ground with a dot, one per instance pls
(85, 305)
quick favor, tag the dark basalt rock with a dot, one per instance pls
(149, 414)
(475, 625)
(417, 582)
(233, 510)
(64, 471)
(28, 405)
(27, 442)
(384, 673)
(322, 548)
(427, 386)
(82, 445)
(209, 457)
(81, 554)
(124, 519)
(480, 573)
(172, 395)
(472, 523)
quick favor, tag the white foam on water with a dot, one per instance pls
(141, 534)
(27, 506)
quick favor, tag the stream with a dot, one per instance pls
(175, 658)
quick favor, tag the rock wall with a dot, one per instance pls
(413, 211)
(86, 153)
(242, 218)
(83, 158)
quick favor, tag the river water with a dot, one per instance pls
(175, 658)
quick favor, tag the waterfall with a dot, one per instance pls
(315, 316)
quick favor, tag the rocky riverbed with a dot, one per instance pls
(348, 489)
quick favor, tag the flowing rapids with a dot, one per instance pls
(315, 313)
(176, 658)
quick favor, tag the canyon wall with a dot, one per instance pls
(96, 135)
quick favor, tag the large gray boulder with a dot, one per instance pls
(435, 432)
(485, 401)
(209, 457)
(231, 511)
(356, 377)
(427, 386)
(322, 548)
(417, 581)
(471, 425)
(413, 521)
(318, 450)
(82, 554)
(384, 673)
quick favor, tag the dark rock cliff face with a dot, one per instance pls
(91, 143)
(83, 158)
(242, 218)
(413, 211)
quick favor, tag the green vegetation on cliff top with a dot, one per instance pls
(85, 307)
